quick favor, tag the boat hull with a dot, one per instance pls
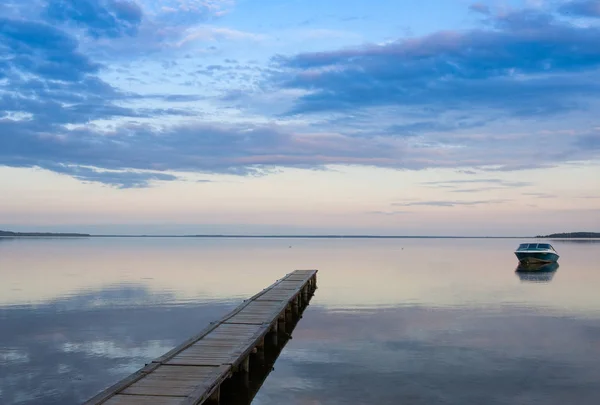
(536, 257)
(537, 267)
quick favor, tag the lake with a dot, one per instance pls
(411, 321)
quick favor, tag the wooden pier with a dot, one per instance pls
(222, 355)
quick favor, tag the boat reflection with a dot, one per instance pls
(536, 273)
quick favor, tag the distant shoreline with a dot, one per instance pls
(85, 235)
(572, 235)
(42, 234)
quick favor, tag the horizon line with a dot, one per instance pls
(274, 236)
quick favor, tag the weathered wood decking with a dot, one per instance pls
(193, 372)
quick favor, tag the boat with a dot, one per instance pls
(531, 253)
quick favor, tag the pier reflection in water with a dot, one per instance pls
(243, 387)
(537, 273)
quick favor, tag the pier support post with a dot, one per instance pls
(288, 316)
(215, 397)
(281, 322)
(245, 365)
(305, 296)
(260, 351)
(273, 333)
(295, 306)
(244, 372)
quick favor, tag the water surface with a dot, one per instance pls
(445, 321)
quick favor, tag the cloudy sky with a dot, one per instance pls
(439, 117)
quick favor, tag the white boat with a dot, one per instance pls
(530, 253)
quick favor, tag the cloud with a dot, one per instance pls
(19, 8)
(189, 12)
(388, 213)
(480, 8)
(200, 147)
(212, 33)
(48, 84)
(438, 125)
(125, 30)
(581, 8)
(540, 195)
(171, 98)
(100, 18)
(51, 103)
(241, 149)
(80, 362)
(119, 179)
(47, 77)
(408, 104)
(317, 34)
(449, 203)
(476, 190)
(171, 27)
(500, 184)
(48, 80)
(461, 353)
(589, 141)
(524, 63)
(41, 50)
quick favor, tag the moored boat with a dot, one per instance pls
(532, 253)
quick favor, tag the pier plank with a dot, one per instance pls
(142, 400)
(288, 285)
(176, 381)
(257, 312)
(277, 295)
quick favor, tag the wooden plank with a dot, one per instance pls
(143, 400)
(289, 285)
(311, 271)
(299, 276)
(176, 380)
(302, 275)
(224, 345)
(277, 295)
(108, 392)
(258, 312)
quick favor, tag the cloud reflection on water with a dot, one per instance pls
(437, 356)
(65, 351)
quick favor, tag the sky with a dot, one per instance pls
(437, 117)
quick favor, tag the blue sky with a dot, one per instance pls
(429, 117)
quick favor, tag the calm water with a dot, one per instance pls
(411, 321)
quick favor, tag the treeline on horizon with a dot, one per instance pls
(571, 235)
(9, 233)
